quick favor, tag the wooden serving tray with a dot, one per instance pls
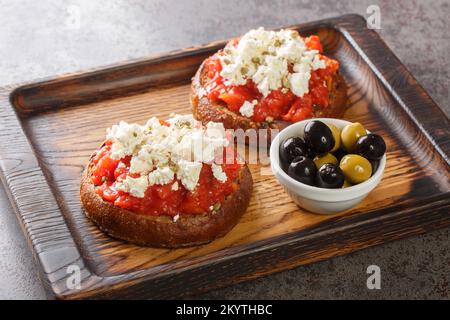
(49, 129)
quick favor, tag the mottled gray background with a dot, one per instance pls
(44, 38)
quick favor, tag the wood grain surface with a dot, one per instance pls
(52, 127)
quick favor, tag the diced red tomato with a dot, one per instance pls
(302, 114)
(278, 102)
(301, 109)
(104, 170)
(162, 191)
(191, 203)
(260, 111)
(101, 153)
(313, 43)
(213, 66)
(320, 95)
(236, 96)
(128, 202)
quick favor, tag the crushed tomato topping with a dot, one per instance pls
(161, 199)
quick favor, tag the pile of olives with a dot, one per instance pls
(331, 158)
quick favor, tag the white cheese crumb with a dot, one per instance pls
(299, 83)
(318, 63)
(152, 124)
(161, 176)
(175, 218)
(218, 173)
(125, 138)
(215, 130)
(186, 120)
(247, 109)
(134, 186)
(142, 162)
(189, 173)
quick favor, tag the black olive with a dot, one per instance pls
(291, 148)
(319, 136)
(375, 164)
(371, 146)
(303, 170)
(330, 176)
(310, 153)
(339, 153)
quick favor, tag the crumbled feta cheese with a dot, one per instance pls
(189, 173)
(300, 83)
(197, 146)
(134, 186)
(189, 147)
(142, 162)
(247, 109)
(213, 148)
(187, 120)
(125, 138)
(218, 173)
(152, 124)
(160, 153)
(161, 176)
(215, 130)
(318, 63)
(265, 56)
(175, 218)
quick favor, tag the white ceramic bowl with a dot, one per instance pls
(314, 199)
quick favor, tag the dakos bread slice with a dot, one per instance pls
(217, 110)
(177, 229)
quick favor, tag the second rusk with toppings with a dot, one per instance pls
(268, 79)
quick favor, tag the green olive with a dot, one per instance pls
(356, 168)
(336, 135)
(350, 134)
(346, 184)
(326, 158)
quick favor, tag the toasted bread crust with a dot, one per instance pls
(163, 231)
(206, 111)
